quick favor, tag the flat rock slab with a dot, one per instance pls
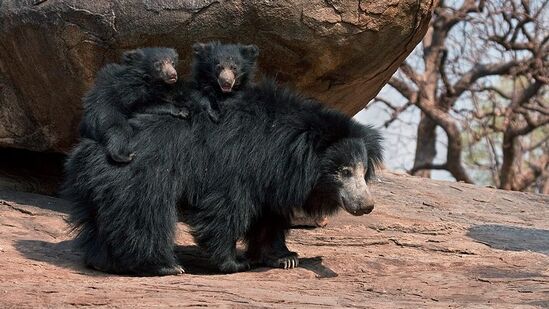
(427, 243)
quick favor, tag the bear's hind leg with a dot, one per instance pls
(222, 252)
(166, 269)
(231, 263)
(221, 248)
(136, 227)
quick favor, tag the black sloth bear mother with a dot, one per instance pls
(272, 152)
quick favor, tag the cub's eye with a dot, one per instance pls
(233, 67)
(157, 64)
(346, 172)
(218, 67)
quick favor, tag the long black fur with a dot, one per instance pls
(239, 179)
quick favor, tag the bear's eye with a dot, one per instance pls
(157, 64)
(346, 172)
(218, 67)
(233, 67)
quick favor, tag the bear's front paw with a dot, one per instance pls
(120, 153)
(122, 158)
(170, 270)
(183, 113)
(287, 262)
(159, 270)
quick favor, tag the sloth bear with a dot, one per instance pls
(272, 152)
(221, 72)
(142, 83)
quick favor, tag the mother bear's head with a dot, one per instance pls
(346, 167)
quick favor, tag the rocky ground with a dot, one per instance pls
(427, 244)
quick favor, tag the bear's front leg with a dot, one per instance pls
(267, 244)
(117, 143)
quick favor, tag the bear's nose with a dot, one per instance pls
(366, 209)
(226, 80)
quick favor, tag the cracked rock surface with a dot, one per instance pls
(339, 51)
(427, 244)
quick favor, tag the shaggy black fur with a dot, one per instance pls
(238, 179)
(143, 83)
(221, 72)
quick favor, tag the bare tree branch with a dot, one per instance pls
(443, 75)
(404, 89)
(410, 73)
(493, 89)
(537, 145)
(427, 166)
(479, 71)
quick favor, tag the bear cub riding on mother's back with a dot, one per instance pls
(221, 72)
(145, 82)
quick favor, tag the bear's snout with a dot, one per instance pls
(356, 197)
(226, 80)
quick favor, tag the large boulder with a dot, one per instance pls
(339, 51)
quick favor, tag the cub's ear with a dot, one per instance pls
(249, 52)
(133, 56)
(201, 49)
(174, 55)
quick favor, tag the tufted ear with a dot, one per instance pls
(250, 52)
(373, 141)
(171, 53)
(133, 56)
(201, 49)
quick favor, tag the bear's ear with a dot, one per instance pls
(201, 49)
(174, 55)
(249, 52)
(133, 56)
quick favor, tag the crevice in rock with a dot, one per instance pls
(29, 171)
(21, 210)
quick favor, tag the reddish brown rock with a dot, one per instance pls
(340, 51)
(427, 244)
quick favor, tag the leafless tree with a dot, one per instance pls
(482, 73)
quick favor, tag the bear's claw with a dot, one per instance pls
(170, 271)
(288, 262)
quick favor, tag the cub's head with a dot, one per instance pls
(158, 64)
(346, 168)
(224, 67)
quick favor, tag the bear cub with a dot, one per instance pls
(144, 82)
(221, 72)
